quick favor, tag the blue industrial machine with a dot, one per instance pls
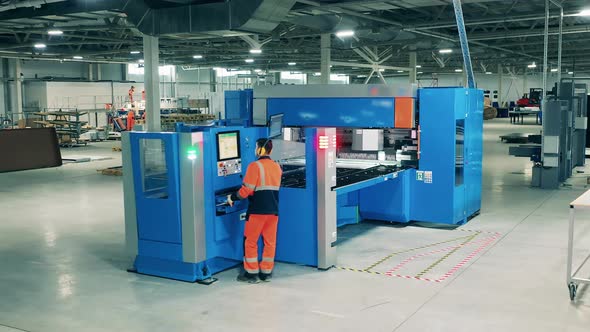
(415, 155)
(175, 184)
(348, 153)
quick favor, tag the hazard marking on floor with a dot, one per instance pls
(414, 249)
(469, 241)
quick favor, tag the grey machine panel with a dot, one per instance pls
(261, 93)
(192, 199)
(131, 237)
(326, 214)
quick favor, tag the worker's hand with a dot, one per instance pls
(229, 201)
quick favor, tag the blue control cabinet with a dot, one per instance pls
(180, 228)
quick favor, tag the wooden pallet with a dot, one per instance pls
(115, 171)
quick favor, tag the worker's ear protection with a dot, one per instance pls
(261, 150)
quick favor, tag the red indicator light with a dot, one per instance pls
(323, 142)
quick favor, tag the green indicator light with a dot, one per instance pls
(191, 153)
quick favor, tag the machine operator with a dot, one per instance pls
(261, 186)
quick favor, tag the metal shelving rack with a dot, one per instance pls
(67, 123)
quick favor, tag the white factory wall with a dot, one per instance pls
(34, 95)
(40, 69)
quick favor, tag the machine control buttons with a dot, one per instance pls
(229, 167)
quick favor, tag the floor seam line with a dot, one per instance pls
(16, 328)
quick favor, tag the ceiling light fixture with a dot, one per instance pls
(445, 51)
(141, 61)
(257, 70)
(488, 73)
(255, 51)
(317, 74)
(77, 57)
(344, 33)
(570, 72)
(400, 71)
(292, 63)
(134, 52)
(40, 45)
(249, 60)
(554, 70)
(361, 76)
(584, 12)
(198, 56)
(418, 66)
(532, 65)
(420, 72)
(55, 32)
(458, 70)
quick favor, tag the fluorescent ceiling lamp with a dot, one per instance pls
(317, 74)
(420, 72)
(77, 57)
(345, 33)
(134, 52)
(255, 51)
(382, 69)
(400, 71)
(55, 32)
(585, 12)
(445, 51)
(532, 65)
(418, 66)
(40, 45)
(361, 76)
(257, 70)
(458, 70)
(249, 60)
(292, 63)
(488, 73)
(141, 61)
(198, 56)
(554, 70)
(570, 72)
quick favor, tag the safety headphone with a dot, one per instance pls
(262, 149)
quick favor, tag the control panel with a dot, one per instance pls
(229, 167)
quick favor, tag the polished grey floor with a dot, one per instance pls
(62, 264)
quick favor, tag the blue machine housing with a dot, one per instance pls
(161, 244)
(447, 185)
(238, 107)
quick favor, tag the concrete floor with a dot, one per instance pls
(63, 264)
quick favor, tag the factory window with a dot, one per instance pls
(166, 72)
(459, 151)
(154, 168)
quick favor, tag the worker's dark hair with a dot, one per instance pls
(265, 143)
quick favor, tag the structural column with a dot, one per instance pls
(413, 63)
(325, 46)
(98, 72)
(152, 82)
(500, 77)
(90, 72)
(18, 89)
(212, 80)
(524, 82)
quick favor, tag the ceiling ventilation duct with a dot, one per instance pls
(221, 17)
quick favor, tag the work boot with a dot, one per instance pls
(265, 276)
(246, 277)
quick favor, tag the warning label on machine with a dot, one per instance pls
(424, 176)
